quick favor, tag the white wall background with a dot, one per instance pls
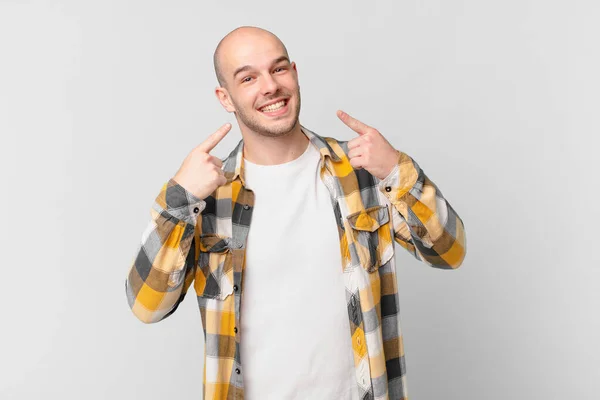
(498, 101)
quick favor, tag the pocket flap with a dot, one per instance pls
(214, 243)
(369, 219)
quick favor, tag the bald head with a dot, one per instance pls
(235, 40)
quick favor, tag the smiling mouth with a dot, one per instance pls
(273, 108)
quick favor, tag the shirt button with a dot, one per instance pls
(246, 207)
(196, 209)
(388, 189)
(235, 329)
(237, 371)
(235, 288)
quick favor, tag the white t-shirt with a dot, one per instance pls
(295, 333)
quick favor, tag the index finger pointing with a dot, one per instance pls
(354, 124)
(215, 138)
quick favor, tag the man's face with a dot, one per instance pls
(263, 86)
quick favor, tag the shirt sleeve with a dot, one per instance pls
(165, 261)
(425, 223)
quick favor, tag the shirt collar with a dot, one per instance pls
(233, 165)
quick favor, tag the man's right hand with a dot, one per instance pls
(200, 173)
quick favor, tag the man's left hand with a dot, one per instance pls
(370, 150)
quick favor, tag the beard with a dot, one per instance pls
(270, 129)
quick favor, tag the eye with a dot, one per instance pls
(246, 79)
(279, 68)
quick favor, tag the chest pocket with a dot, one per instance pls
(371, 236)
(214, 276)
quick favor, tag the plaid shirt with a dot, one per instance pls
(190, 240)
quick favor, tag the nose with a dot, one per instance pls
(269, 85)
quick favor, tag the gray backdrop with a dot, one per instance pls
(498, 101)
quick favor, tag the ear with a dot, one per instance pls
(223, 96)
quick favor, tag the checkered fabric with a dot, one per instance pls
(190, 240)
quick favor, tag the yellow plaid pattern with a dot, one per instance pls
(190, 240)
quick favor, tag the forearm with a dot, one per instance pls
(425, 223)
(164, 265)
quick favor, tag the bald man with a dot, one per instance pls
(289, 242)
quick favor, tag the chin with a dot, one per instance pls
(277, 129)
(274, 128)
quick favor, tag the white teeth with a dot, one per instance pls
(273, 107)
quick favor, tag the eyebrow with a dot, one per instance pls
(248, 67)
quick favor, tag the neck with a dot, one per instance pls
(265, 150)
